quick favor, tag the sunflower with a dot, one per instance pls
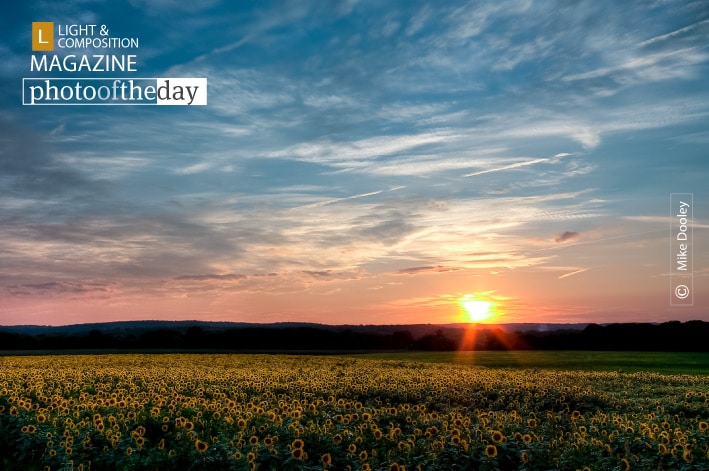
(200, 446)
(297, 444)
(703, 426)
(326, 459)
(297, 454)
(491, 451)
(687, 455)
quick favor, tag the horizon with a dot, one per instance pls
(410, 164)
(285, 322)
(462, 324)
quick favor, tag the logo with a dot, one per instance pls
(72, 49)
(43, 36)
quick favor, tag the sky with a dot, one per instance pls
(362, 162)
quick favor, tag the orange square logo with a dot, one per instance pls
(42, 35)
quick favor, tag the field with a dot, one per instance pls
(696, 363)
(269, 412)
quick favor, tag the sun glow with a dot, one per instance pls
(478, 309)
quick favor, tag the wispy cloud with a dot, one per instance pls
(673, 34)
(429, 269)
(576, 272)
(225, 277)
(336, 200)
(657, 66)
(72, 289)
(507, 167)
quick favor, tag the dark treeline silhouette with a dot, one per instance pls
(668, 336)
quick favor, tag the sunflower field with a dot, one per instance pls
(279, 412)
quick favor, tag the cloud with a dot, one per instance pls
(192, 169)
(507, 167)
(209, 277)
(29, 166)
(359, 151)
(319, 274)
(566, 236)
(650, 67)
(576, 272)
(673, 34)
(428, 269)
(345, 198)
(160, 7)
(73, 289)
(472, 19)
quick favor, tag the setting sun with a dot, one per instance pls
(478, 309)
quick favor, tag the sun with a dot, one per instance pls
(478, 309)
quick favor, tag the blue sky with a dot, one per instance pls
(362, 162)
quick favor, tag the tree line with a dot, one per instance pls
(668, 336)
